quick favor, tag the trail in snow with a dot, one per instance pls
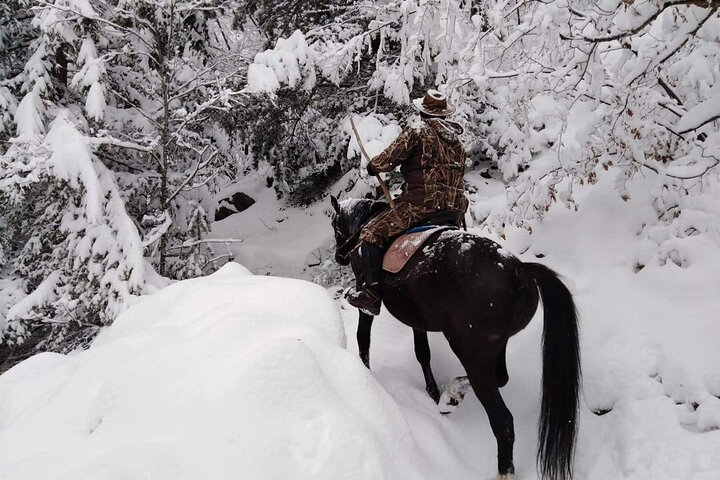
(650, 342)
(461, 444)
(651, 357)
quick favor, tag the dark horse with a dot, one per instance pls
(478, 296)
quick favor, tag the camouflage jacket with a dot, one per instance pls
(432, 160)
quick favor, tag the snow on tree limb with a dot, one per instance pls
(287, 64)
(71, 160)
(43, 295)
(29, 116)
(700, 115)
(638, 20)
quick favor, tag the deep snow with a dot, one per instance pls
(650, 342)
(241, 376)
(228, 376)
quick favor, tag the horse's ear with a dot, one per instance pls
(335, 204)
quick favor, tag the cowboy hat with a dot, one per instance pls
(434, 104)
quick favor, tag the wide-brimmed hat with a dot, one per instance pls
(434, 104)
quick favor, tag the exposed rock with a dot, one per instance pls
(237, 203)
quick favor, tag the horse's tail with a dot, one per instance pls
(561, 376)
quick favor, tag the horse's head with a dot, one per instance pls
(341, 230)
(347, 221)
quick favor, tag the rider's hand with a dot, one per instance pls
(371, 171)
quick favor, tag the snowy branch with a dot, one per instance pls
(198, 167)
(98, 19)
(195, 243)
(700, 115)
(119, 143)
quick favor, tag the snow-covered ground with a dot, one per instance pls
(241, 376)
(276, 240)
(650, 349)
(228, 376)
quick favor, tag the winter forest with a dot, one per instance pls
(148, 147)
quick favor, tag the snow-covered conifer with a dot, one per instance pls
(81, 256)
(118, 144)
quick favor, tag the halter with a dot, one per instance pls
(352, 250)
(354, 239)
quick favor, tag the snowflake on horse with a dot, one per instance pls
(462, 285)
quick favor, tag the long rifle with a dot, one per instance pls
(382, 183)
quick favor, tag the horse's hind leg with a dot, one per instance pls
(363, 337)
(481, 368)
(454, 394)
(422, 353)
(501, 420)
(501, 370)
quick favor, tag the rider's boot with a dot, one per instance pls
(369, 298)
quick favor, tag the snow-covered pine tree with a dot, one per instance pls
(172, 72)
(79, 254)
(16, 34)
(70, 244)
(138, 89)
(155, 78)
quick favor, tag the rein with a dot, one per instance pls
(354, 239)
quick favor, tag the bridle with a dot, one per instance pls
(354, 240)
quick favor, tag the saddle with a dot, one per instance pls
(407, 244)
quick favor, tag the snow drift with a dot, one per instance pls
(227, 376)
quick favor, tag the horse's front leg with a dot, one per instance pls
(422, 353)
(363, 337)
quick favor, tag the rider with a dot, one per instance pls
(432, 161)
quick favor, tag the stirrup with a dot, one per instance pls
(365, 300)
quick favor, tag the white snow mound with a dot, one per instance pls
(227, 376)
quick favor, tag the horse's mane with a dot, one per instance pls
(356, 212)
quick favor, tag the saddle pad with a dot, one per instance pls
(405, 246)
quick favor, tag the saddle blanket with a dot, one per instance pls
(406, 245)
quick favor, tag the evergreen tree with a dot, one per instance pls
(118, 146)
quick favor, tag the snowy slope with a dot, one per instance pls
(650, 345)
(228, 376)
(276, 239)
(245, 376)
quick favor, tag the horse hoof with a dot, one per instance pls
(448, 404)
(434, 394)
(453, 395)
